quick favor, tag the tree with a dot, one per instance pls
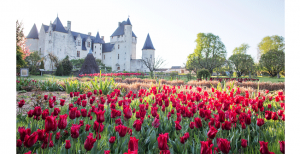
(153, 64)
(21, 40)
(59, 70)
(210, 52)
(268, 43)
(67, 66)
(77, 63)
(33, 61)
(20, 61)
(241, 49)
(273, 62)
(42, 65)
(241, 63)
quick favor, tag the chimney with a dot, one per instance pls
(119, 24)
(102, 37)
(69, 25)
(89, 33)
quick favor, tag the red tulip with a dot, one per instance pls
(83, 112)
(206, 148)
(29, 141)
(68, 144)
(133, 144)
(155, 123)
(127, 112)
(226, 125)
(244, 143)
(57, 136)
(56, 111)
(112, 139)
(260, 122)
(30, 113)
(37, 111)
(177, 125)
(45, 114)
(87, 127)
(62, 123)
(164, 152)
(263, 147)
(19, 143)
(192, 125)
(45, 97)
(274, 116)
(72, 113)
(77, 114)
(162, 141)
(198, 122)
(21, 103)
(122, 130)
(282, 146)
(89, 142)
(100, 116)
(221, 116)
(50, 123)
(51, 103)
(223, 145)
(29, 152)
(212, 132)
(137, 125)
(71, 94)
(62, 102)
(96, 127)
(75, 130)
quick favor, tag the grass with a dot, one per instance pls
(47, 77)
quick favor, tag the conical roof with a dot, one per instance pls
(128, 22)
(98, 39)
(58, 26)
(148, 43)
(89, 65)
(34, 34)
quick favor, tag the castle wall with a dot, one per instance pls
(33, 44)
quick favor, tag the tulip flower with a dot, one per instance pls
(244, 143)
(89, 142)
(177, 125)
(212, 132)
(72, 113)
(68, 144)
(282, 146)
(50, 123)
(30, 140)
(75, 130)
(263, 147)
(206, 147)
(100, 116)
(19, 143)
(223, 145)
(260, 122)
(155, 123)
(198, 122)
(112, 139)
(37, 111)
(137, 125)
(162, 141)
(133, 144)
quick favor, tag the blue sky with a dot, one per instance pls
(172, 25)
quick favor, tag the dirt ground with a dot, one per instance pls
(30, 99)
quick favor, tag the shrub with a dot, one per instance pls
(173, 74)
(203, 73)
(67, 66)
(42, 65)
(59, 70)
(189, 76)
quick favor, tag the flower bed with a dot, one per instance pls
(111, 74)
(155, 120)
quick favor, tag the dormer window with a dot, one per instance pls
(95, 47)
(79, 43)
(118, 56)
(88, 44)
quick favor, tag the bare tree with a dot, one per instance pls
(153, 64)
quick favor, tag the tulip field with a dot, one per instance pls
(158, 120)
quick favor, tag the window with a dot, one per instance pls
(79, 43)
(150, 56)
(49, 41)
(88, 44)
(95, 47)
(78, 53)
(118, 46)
(118, 56)
(104, 56)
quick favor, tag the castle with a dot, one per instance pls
(119, 53)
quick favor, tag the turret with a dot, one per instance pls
(148, 51)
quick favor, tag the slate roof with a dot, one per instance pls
(120, 29)
(34, 34)
(46, 28)
(98, 39)
(58, 26)
(84, 37)
(148, 43)
(176, 67)
(107, 47)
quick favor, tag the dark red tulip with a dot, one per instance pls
(217, 124)
(227, 125)
(221, 116)
(280, 112)
(45, 114)
(49, 123)
(263, 147)
(268, 115)
(118, 121)
(223, 145)
(155, 123)
(21, 103)
(164, 152)
(192, 125)
(51, 144)
(62, 123)
(83, 112)
(71, 106)
(78, 114)
(29, 141)
(122, 130)
(212, 132)
(81, 123)
(100, 116)
(243, 125)
(137, 125)
(133, 144)
(19, 143)
(162, 141)
(87, 127)
(54, 98)
(260, 122)
(68, 144)
(96, 127)
(206, 148)
(62, 102)
(282, 146)
(274, 116)
(30, 113)
(75, 130)
(112, 139)
(72, 113)
(56, 111)
(177, 125)
(71, 94)
(198, 122)
(51, 103)
(45, 97)
(127, 112)
(89, 142)
(244, 143)
(248, 120)
(84, 103)
(37, 111)
(106, 152)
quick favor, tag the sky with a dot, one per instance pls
(173, 25)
